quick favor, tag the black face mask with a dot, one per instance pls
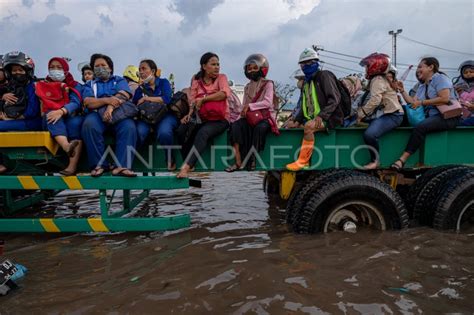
(20, 78)
(254, 76)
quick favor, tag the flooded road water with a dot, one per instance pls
(238, 257)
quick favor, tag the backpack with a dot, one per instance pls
(346, 101)
(179, 104)
(53, 95)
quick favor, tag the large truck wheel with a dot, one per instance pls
(300, 197)
(455, 209)
(270, 184)
(424, 206)
(348, 203)
(420, 182)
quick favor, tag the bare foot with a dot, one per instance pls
(171, 166)
(3, 169)
(184, 172)
(372, 166)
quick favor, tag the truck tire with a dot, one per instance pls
(424, 207)
(300, 197)
(360, 200)
(271, 185)
(455, 208)
(420, 182)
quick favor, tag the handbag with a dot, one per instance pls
(212, 110)
(414, 115)
(53, 95)
(151, 112)
(179, 105)
(15, 111)
(124, 111)
(254, 117)
(454, 109)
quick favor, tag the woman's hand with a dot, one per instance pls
(53, 116)
(3, 116)
(186, 119)
(10, 98)
(142, 100)
(400, 86)
(415, 104)
(108, 114)
(199, 103)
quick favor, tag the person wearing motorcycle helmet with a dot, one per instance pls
(19, 106)
(319, 104)
(384, 99)
(63, 122)
(106, 93)
(130, 74)
(465, 89)
(259, 96)
(436, 90)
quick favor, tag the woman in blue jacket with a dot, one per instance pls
(156, 90)
(19, 106)
(107, 92)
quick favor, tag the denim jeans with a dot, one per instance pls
(377, 128)
(93, 130)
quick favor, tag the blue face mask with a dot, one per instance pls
(310, 69)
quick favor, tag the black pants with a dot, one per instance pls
(430, 124)
(248, 137)
(198, 136)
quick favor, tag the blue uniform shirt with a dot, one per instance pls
(438, 82)
(105, 89)
(162, 89)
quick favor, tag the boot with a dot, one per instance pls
(303, 158)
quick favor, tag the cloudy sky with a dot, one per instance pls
(175, 33)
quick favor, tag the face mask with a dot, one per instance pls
(254, 75)
(20, 78)
(148, 79)
(310, 69)
(57, 75)
(102, 73)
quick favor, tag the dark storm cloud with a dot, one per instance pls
(195, 13)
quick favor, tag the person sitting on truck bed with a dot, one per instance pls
(465, 89)
(19, 106)
(102, 96)
(249, 134)
(435, 90)
(383, 96)
(319, 104)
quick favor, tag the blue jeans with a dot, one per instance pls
(20, 125)
(93, 130)
(377, 128)
(164, 132)
(468, 121)
(69, 127)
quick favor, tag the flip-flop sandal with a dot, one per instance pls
(123, 172)
(97, 172)
(232, 168)
(72, 148)
(397, 167)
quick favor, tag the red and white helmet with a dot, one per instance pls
(375, 64)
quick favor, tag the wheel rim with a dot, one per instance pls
(465, 216)
(358, 213)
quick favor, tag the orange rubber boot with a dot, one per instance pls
(303, 158)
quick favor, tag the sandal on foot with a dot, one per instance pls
(125, 172)
(97, 172)
(72, 148)
(397, 167)
(232, 168)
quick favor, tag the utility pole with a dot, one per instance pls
(394, 44)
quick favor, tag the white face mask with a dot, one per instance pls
(57, 75)
(149, 78)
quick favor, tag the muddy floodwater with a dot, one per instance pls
(238, 257)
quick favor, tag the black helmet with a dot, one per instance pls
(21, 59)
(465, 64)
